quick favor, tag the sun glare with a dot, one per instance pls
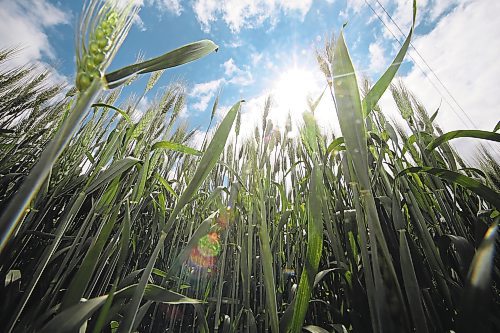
(292, 88)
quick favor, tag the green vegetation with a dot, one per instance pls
(119, 226)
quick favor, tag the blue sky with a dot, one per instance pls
(268, 45)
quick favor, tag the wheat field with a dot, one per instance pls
(115, 224)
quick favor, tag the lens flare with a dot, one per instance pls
(209, 246)
(204, 255)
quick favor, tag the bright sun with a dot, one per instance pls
(292, 88)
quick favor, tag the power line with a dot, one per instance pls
(423, 72)
(414, 61)
(428, 66)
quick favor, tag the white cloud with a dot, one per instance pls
(23, 25)
(205, 11)
(205, 87)
(236, 75)
(229, 67)
(139, 23)
(402, 15)
(238, 14)
(377, 58)
(203, 93)
(460, 49)
(401, 12)
(171, 6)
(236, 42)
(441, 6)
(243, 79)
(300, 6)
(143, 106)
(356, 5)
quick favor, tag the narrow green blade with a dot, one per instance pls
(313, 253)
(373, 96)
(411, 285)
(177, 57)
(176, 147)
(487, 193)
(478, 134)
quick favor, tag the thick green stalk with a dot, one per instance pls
(352, 124)
(267, 267)
(314, 250)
